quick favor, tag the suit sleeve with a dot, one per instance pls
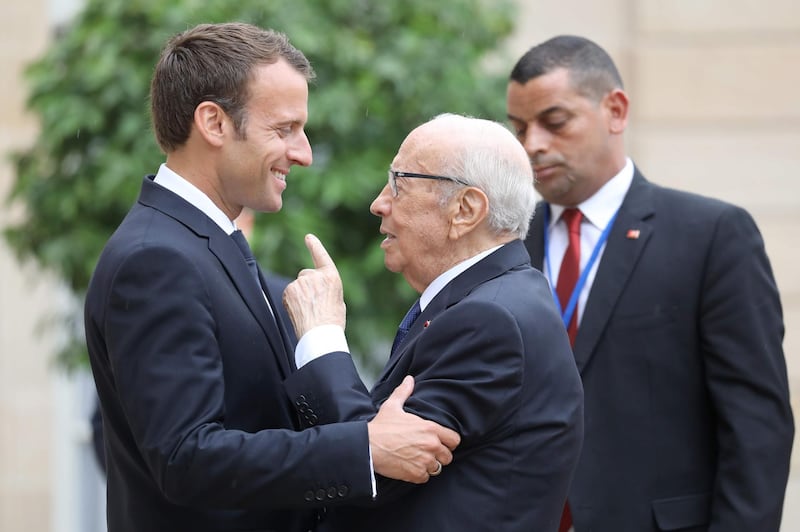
(741, 334)
(467, 378)
(161, 333)
(468, 366)
(329, 390)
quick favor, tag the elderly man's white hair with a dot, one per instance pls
(486, 155)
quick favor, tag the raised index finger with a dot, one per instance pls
(318, 253)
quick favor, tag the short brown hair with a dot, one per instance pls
(212, 62)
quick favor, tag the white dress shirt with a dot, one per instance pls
(597, 211)
(440, 282)
(180, 186)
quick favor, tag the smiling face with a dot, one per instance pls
(253, 164)
(574, 143)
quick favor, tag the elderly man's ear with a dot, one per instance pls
(469, 209)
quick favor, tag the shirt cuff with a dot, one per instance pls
(319, 341)
(372, 474)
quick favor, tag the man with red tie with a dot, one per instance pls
(672, 311)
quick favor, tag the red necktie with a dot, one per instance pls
(570, 267)
(567, 278)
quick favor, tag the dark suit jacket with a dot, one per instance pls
(688, 422)
(491, 360)
(188, 364)
(275, 284)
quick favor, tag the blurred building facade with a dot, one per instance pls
(715, 110)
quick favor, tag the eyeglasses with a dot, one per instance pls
(393, 175)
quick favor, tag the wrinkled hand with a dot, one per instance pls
(407, 447)
(316, 296)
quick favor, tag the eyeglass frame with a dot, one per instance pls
(394, 174)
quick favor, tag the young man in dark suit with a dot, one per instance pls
(487, 350)
(187, 348)
(675, 316)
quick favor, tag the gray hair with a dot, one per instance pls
(486, 155)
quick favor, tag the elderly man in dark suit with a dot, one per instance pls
(484, 341)
(673, 310)
(187, 349)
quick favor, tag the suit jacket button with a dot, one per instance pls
(300, 399)
(309, 496)
(332, 492)
(321, 494)
(343, 491)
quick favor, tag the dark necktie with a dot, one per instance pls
(567, 278)
(570, 267)
(405, 325)
(244, 247)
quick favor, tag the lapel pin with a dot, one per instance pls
(632, 234)
(425, 325)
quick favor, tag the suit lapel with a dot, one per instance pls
(228, 254)
(627, 240)
(535, 241)
(616, 265)
(286, 338)
(509, 256)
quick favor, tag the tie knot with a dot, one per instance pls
(572, 217)
(244, 247)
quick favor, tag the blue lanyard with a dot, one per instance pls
(566, 314)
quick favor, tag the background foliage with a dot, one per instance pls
(382, 68)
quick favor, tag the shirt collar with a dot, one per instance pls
(440, 282)
(180, 186)
(602, 205)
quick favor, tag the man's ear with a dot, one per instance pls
(616, 105)
(470, 208)
(211, 122)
